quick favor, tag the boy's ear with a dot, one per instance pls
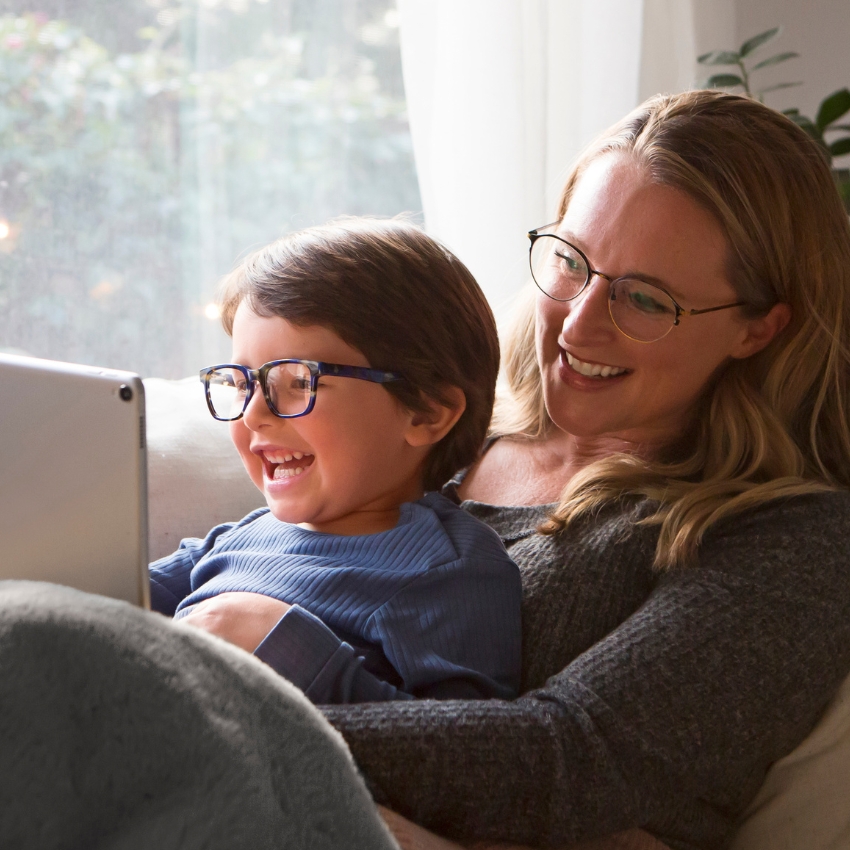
(428, 427)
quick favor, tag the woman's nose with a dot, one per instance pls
(587, 314)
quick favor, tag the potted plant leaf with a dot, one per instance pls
(831, 110)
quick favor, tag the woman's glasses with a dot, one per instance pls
(289, 386)
(640, 310)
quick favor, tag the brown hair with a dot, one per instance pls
(401, 299)
(777, 423)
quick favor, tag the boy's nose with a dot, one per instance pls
(257, 412)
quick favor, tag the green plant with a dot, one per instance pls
(132, 174)
(745, 69)
(832, 108)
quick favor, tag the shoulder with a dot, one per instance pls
(257, 527)
(470, 537)
(260, 519)
(799, 523)
(796, 547)
(453, 517)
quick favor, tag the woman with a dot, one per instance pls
(689, 594)
(670, 473)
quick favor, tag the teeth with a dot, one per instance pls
(279, 457)
(592, 370)
(281, 472)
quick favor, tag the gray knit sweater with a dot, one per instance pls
(653, 700)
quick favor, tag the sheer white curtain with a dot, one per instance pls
(502, 94)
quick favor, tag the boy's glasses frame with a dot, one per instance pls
(316, 369)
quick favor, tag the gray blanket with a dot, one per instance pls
(122, 729)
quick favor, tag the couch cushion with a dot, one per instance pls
(195, 477)
(805, 799)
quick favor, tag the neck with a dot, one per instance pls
(535, 472)
(357, 523)
(381, 513)
(575, 453)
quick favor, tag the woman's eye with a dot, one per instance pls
(569, 262)
(646, 303)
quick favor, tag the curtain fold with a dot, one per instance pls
(503, 94)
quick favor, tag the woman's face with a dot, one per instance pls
(626, 225)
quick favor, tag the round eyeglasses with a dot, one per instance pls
(641, 311)
(289, 386)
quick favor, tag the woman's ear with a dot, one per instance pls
(429, 426)
(762, 329)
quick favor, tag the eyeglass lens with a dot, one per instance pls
(288, 386)
(640, 310)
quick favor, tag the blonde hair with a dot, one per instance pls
(772, 425)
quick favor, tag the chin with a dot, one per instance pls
(284, 513)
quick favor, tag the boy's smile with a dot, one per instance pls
(346, 466)
(285, 465)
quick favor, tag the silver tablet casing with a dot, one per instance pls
(73, 477)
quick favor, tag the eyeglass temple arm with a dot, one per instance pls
(533, 234)
(363, 373)
(710, 309)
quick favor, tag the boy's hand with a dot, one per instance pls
(243, 619)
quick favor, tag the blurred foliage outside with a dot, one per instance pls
(130, 179)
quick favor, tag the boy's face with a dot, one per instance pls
(346, 466)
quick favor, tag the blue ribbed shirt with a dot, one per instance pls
(430, 608)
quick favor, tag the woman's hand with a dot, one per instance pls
(410, 836)
(243, 619)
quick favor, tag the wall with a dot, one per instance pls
(819, 30)
(675, 32)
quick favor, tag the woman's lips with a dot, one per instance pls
(592, 370)
(585, 375)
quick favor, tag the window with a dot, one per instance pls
(146, 145)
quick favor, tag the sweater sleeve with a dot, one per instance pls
(669, 723)
(302, 649)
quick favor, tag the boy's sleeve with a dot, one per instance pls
(453, 632)
(302, 649)
(171, 576)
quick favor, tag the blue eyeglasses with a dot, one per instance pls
(289, 386)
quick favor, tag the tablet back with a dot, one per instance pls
(73, 477)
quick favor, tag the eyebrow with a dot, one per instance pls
(637, 275)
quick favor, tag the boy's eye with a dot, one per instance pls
(288, 379)
(229, 380)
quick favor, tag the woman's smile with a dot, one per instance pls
(592, 370)
(598, 382)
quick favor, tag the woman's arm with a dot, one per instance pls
(413, 837)
(669, 723)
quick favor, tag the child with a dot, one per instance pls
(364, 368)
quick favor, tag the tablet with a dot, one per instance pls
(73, 477)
